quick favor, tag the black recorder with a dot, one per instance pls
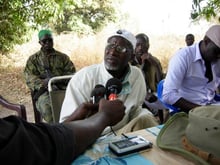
(129, 145)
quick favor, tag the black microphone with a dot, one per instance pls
(113, 87)
(97, 93)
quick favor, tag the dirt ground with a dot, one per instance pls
(13, 88)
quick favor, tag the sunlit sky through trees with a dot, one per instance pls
(162, 16)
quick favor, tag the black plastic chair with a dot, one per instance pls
(19, 108)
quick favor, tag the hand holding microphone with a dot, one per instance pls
(114, 110)
(113, 87)
(110, 91)
(87, 109)
(98, 93)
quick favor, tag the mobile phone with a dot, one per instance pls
(129, 145)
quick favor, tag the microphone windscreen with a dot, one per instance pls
(98, 93)
(98, 89)
(113, 85)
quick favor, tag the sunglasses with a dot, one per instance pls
(118, 48)
(47, 40)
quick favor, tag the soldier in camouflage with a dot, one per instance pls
(42, 66)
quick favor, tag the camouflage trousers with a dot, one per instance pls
(43, 105)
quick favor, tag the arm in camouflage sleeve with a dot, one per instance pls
(68, 66)
(32, 76)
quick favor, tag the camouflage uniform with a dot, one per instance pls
(39, 67)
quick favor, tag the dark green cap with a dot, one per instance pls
(42, 33)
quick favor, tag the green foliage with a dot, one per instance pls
(85, 17)
(18, 18)
(208, 9)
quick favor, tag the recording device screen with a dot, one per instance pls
(129, 145)
(124, 143)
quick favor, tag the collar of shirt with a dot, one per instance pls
(51, 53)
(215, 66)
(126, 87)
(198, 54)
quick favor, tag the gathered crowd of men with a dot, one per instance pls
(192, 80)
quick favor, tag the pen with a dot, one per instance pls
(128, 137)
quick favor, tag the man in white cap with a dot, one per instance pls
(118, 51)
(194, 73)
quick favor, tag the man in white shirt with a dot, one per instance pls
(194, 74)
(118, 51)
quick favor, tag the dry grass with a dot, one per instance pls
(83, 52)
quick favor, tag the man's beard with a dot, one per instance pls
(110, 67)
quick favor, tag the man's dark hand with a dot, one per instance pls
(114, 110)
(151, 98)
(45, 82)
(83, 111)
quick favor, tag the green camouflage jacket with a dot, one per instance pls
(40, 67)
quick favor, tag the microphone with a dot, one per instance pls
(97, 93)
(113, 87)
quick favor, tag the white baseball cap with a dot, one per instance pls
(213, 34)
(126, 35)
